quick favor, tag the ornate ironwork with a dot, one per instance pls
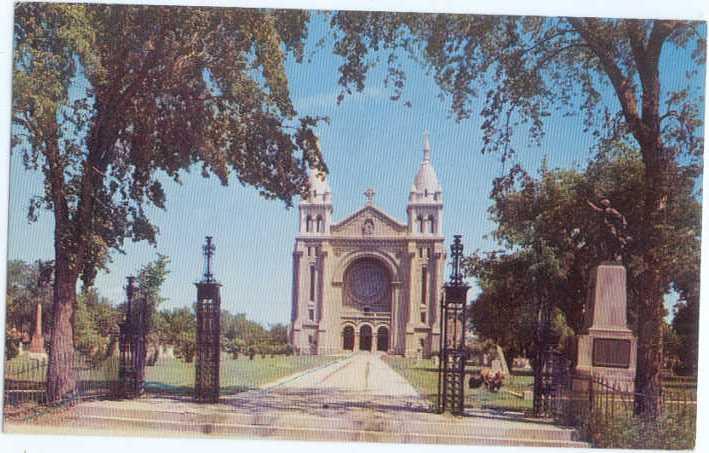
(208, 331)
(552, 369)
(208, 251)
(131, 344)
(451, 366)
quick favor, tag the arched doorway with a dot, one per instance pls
(365, 338)
(348, 338)
(382, 339)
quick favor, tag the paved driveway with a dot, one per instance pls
(359, 398)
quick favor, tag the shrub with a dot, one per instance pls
(672, 431)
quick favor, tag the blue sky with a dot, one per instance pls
(369, 142)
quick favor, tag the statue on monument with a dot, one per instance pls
(616, 238)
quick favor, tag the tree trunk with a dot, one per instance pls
(648, 383)
(61, 380)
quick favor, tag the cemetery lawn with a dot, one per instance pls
(423, 376)
(175, 377)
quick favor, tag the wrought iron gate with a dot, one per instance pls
(552, 372)
(131, 344)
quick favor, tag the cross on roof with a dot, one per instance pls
(208, 250)
(369, 193)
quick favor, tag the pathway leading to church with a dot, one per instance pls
(359, 398)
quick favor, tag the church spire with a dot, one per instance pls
(426, 147)
(426, 182)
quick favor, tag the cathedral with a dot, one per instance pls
(369, 282)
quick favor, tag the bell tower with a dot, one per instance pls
(425, 207)
(316, 207)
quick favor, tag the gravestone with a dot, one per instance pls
(606, 348)
(36, 349)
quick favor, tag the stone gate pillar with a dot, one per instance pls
(206, 388)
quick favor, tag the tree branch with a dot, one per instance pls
(622, 84)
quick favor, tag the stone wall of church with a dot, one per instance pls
(322, 310)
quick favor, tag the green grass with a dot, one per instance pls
(24, 368)
(171, 376)
(174, 376)
(423, 375)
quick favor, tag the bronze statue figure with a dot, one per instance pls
(616, 225)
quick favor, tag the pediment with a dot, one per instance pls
(369, 221)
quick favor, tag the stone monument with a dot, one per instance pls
(606, 348)
(37, 344)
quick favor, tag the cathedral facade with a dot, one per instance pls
(369, 282)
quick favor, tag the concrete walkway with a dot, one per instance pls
(359, 398)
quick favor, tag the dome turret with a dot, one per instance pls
(425, 208)
(426, 182)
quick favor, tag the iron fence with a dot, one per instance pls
(610, 400)
(25, 379)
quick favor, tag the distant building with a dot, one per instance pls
(369, 282)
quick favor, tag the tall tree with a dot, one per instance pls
(110, 100)
(546, 227)
(528, 67)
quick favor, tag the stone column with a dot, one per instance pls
(296, 308)
(326, 312)
(394, 343)
(412, 305)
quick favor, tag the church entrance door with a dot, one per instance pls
(348, 338)
(382, 339)
(365, 338)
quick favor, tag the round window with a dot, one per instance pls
(367, 281)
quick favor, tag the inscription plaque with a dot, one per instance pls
(611, 353)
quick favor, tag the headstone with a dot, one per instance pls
(606, 348)
(503, 363)
(521, 363)
(37, 344)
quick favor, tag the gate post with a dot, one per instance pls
(206, 389)
(131, 345)
(451, 366)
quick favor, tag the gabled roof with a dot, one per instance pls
(373, 208)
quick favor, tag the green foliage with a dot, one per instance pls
(12, 344)
(95, 322)
(685, 325)
(667, 432)
(106, 120)
(184, 86)
(523, 68)
(179, 328)
(552, 239)
(27, 285)
(242, 335)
